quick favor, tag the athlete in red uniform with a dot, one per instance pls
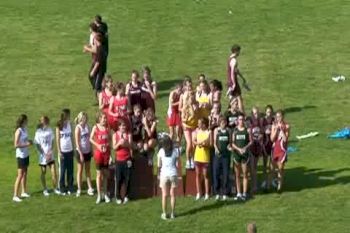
(105, 95)
(149, 91)
(234, 90)
(268, 121)
(100, 138)
(122, 143)
(173, 115)
(279, 136)
(257, 147)
(119, 107)
(133, 89)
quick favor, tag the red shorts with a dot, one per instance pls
(279, 157)
(101, 159)
(174, 119)
(201, 165)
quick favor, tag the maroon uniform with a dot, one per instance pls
(146, 98)
(267, 134)
(135, 93)
(256, 127)
(237, 91)
(280, 145)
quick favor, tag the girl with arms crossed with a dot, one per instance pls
(173, 115)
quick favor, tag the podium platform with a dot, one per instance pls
(190, 183)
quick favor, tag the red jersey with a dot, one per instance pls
(256, 127)
(279, 151)
(229, 73)
(120, 106)
(101, 137)
(105, 101)
(176, 98)
(122, 153)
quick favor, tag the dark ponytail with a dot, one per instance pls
(20, 120)
(64, 114)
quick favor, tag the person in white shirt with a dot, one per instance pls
(64, 141)
(82, 142)
(21, 143)
(43, 140)
(167, 164)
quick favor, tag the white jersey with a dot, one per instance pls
(22, 152)
(66, 140)
(168, 168)
(85, 146)
(91, 39)
(44, 139)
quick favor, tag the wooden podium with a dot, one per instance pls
(190, 183)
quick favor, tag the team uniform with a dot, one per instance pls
(203, 98)
(85, 146)
(44, 139)
(101, 158)
(120, 107)
(66, 163)
(137, 127)
(231, 119)
(221, 161)
(153, 135)
(241, 139)
(22, 154)
(135, 94)
(202, 154)
(146, 98)
(237, 91)
(256, 127)
(173, 114)
(267, 134)
(106, 101)
(168, 171)
(123, 165)
(279, 148)
(189, 118)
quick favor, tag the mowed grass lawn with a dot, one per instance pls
(290, 49)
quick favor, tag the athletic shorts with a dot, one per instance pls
(241, 159)
(174, 119)
(164, 181)
(256, 149)
(87, 157)
(279, 158)
(235, 92)
(23, 163)
(101, 159)
(100, 166)
(47, 164)
(201, 165)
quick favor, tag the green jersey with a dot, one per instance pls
(222, 141)
(241, 139)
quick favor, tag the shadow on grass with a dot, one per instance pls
(167, 85)
(208, 207)
(298, 109)
(300, 178)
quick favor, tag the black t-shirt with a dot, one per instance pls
(103, 29)
(100, 57)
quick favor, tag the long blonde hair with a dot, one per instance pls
(80, 117)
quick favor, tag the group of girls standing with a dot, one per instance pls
(214, 136)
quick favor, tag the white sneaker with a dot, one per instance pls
(98, 200)
(25, 195)
(90, 192)
(69, 193)
(16, 199)
(206, 197)
(217, 197)
(163, 216)
(78, 193)
(336, 79)
(244, 197)
(224, 197)
(107, 199)
(172, 215)
(198, 196)
(188, 165)
(192, 164)
(118, 201)
(238, 197)
(57, 192)
(46, 193)
(126, 200)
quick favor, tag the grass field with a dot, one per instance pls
(290, 50)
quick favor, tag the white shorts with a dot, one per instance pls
(164, 181)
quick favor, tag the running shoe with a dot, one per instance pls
(46, 193)
(224, 197)
(163, 216)
(25, 195)
(126, 200)
(90, 192)
(16, 199)
(118, 201)
(198, 196)
(188, 165)
(206, 197)
(78, 193)
(172, 215)
(98, 200)
(238, 197)
(107, 200)
(217, 197)
(57, 192)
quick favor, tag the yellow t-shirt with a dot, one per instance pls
(203, 99)
(202, 154)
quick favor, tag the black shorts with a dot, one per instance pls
(100, 166)
(22, 163)
(87, 157)
(48, 164)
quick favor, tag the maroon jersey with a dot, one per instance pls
(229, 73)
(135, 93)
(146, 98)
(256, 126)
(268, 121)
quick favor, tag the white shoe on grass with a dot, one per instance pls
(46, 193)
(188, 165)
(126, 200)
(98, 200)
(206, 197)
(217, 197)
(78, 193)
(198, 196)
(163, 216)
(238, 197)
(118, 201)
(16, 199)
(57, 192)
(224, 197)
(172, 215)
(107, 199)
(90, 192)
(25, 195)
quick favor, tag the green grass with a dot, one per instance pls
(290, 50)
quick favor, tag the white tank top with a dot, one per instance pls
(85, 146)
(23, 138)
(66, 138)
